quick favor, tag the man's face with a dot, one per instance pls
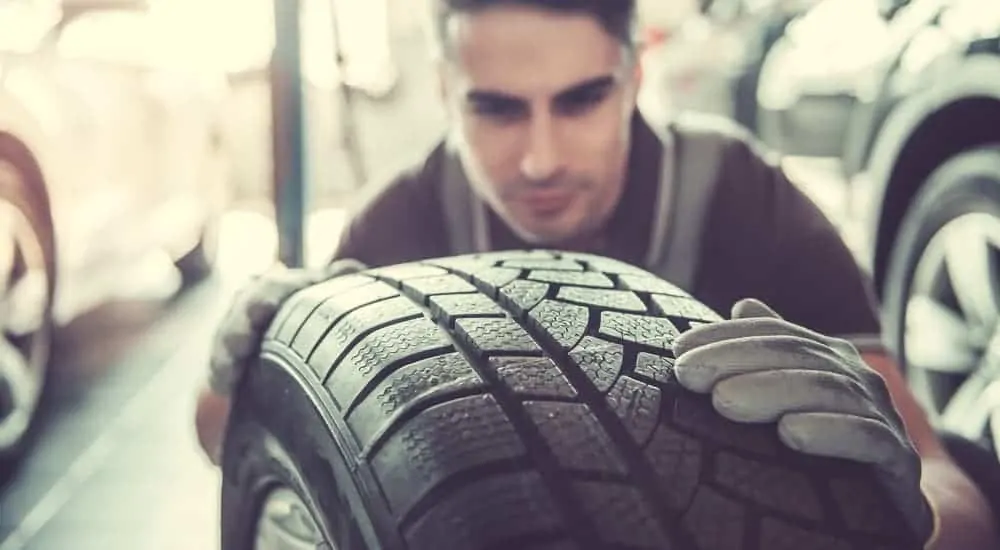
(540, 104)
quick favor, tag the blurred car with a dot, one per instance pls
(707, 56)
(110, 157)
(908, 103)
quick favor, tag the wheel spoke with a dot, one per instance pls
(24, 304)
(937, 339)
(972, 270)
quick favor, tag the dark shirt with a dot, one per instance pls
(763, 237)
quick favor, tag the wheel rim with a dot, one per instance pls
(952, 322)
(285, 523)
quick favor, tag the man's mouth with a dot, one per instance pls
(547, 201)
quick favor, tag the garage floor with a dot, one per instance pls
(117, 464)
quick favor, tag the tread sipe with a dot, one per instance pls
(527, 400)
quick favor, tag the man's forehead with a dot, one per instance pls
(529, 52)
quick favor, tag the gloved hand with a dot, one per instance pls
(824, 398)
(238, 338)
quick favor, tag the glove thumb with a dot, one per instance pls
(750, 308)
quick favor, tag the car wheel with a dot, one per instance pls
(943, 291)
(26, 300)
(513, 400)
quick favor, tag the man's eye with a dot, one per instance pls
(580, 103)
(505, 110)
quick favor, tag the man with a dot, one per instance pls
(546, 149)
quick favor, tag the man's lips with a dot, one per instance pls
(547, 201)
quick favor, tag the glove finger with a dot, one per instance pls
(750, 308)
(701, 369)
(767, 396)
(740, 328)
(344, 267)
(868, 441)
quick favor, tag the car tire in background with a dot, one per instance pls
(513, 400)
(27, 288)
(942, 290)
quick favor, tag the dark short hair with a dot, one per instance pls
(617, 17)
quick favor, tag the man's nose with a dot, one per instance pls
(541, 157)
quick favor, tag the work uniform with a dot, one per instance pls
(703, 207)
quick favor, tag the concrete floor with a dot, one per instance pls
(116, 464)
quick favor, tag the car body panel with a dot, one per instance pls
(126, 133)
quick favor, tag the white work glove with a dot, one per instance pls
(238, 338)
(826, 401)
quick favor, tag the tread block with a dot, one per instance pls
(620, 515)
(521, 296)
(695, 414)
(861, 507)
(404, 272)
(655, 367)
(301, 305)
(546, 264)
(715, 521)
(676, 458)
(575, 437)
(333, 310)
(587, 278)
(608, 265)
(495, 278)
(485, 513)
(650, 284)
(379, 350)
(408, 387)
(645, 330)
(637, 405)
(425, 451)
(778, 535)
(333, 345)
(514, 255)
(423, 288)
(534, 377)
(564, 323)
(624, 300)
(600, 360)
(452, 306)
(680, 306)
(492, 336)
(778, 487)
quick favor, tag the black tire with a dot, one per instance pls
(967, 183)
(420, 407)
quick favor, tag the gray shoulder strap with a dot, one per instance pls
(464, 213)
(690, 167)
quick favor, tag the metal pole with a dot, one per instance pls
(288, 134)
(348, 126)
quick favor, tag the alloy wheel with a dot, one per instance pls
(952, 323)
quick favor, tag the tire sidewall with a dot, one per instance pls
(31, 200)
(278, 437)
(967, 183)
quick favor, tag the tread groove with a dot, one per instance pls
(538, 450)
(636, 463)
(353, 343)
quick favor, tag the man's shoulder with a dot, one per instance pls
(734, 141)
(414, 179)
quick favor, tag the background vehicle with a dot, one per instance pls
(908, 103)
(111, 167)
(708, 57)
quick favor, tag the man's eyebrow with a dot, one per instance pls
(586, 88)
(489, 96)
